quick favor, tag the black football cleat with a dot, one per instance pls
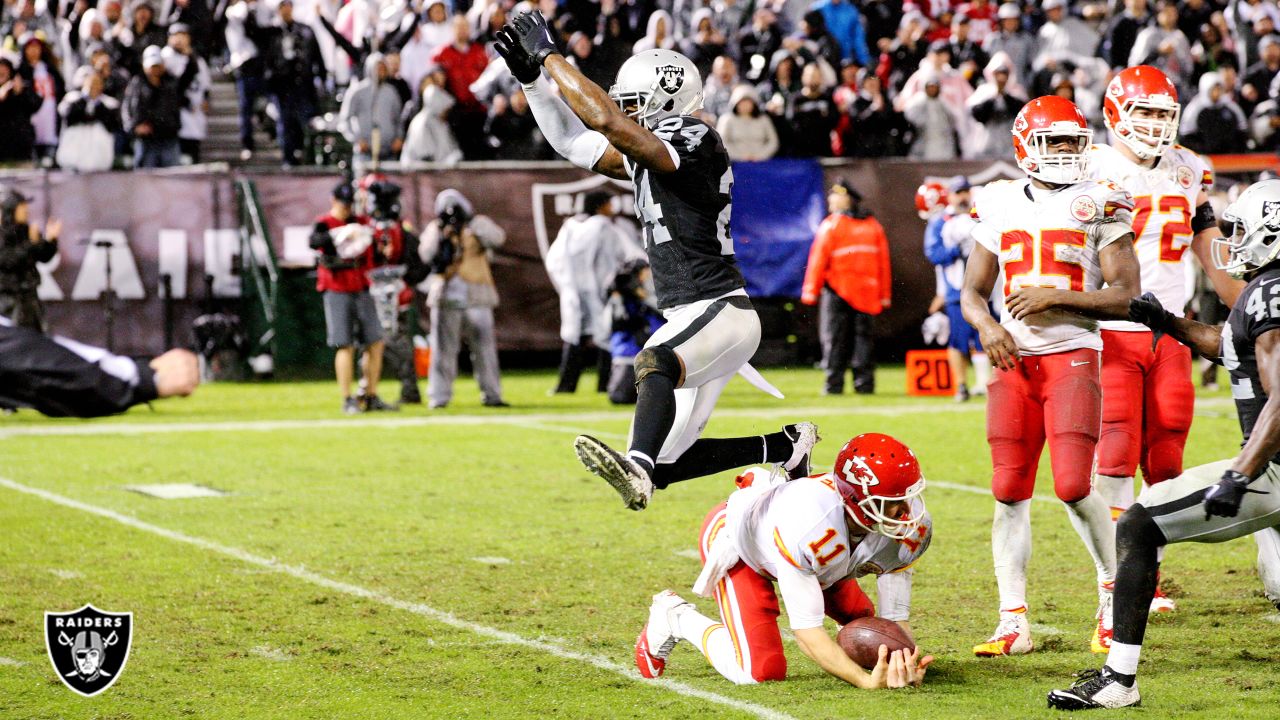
(1096, 689)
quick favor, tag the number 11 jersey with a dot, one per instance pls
(1051, 238)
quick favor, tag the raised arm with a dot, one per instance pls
(1206, 231)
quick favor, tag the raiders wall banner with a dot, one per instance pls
(88, 647)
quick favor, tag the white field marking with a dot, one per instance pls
(270, 653)
(551, 427)
(691, 554)
(943, 484)
(536, 421)
(1045, 629)
(1272, 617)
(443, 617)
(65, 574)
(492, 560)
(10, 662)
(175, 491)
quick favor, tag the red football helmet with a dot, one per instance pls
(873, 470)
(1142, 88)
(1045, 118)
(930, 198)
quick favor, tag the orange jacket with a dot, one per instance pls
(851, 256)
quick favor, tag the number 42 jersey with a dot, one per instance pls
(1051, 238)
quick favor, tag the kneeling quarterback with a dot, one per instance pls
(813, 536)
(1222, 500)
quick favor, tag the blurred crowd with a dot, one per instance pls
(89, 86)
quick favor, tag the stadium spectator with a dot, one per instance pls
(904, 54)
(346, 254)
(845, 23)
(462, 296)
(370, 115)
(197, 15)
(193, 118)
(982, 15)
(1264, 126)
(1012, 39)
(463, 61)
(17, 104)
(22, 245)
(1208, 50)
(848, 271)
(429, 138)
(1164, 46)
(936, 136)
(292, 72)
(513, 132)
(704, 44)
(1211, 122)
(42, 74)
(131, 39)
(245, 65)
(819, 40)
(1121, 32)
(1256, 83)
(90, 121)
(758, 42)
(967, 55)
(1195, 14)
(812, 114)
(747, 133)
(993, 106)
(587, 58)
(1250, 21)
(718, 90)
(871, 127)
(1064, 36)
(657, 35)
(151, 112)
(953, 87)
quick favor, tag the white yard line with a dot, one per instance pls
(972, 489)
(440, 616)
(10, 662)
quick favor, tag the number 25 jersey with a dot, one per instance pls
(1051, 239)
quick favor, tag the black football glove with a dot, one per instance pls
(1224, 498)
(522, 67)
(531, 31)
(1146, 309)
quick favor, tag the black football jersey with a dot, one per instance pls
(1256, 311)
(685, 216)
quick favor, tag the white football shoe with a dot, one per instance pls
(620, 471)
(803, 437)
(1096, 689)
(1161, 603)
(1012, 637)
(659, 635)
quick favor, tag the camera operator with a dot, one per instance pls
(346, 255)
(462, 296)
(22, 245)
(399, 269)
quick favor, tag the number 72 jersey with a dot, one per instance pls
(1051, 239)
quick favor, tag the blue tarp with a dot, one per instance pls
(777, 206)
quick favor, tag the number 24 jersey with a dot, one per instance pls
(1051, 238)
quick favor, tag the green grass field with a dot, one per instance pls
(463, 565)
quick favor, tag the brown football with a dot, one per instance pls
(862, 638)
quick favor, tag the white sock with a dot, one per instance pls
(1092, 520)
(981, 370)
(715, 643)
(1268, 541)
(1123, 658)
(1117, 491)
(1011, 550)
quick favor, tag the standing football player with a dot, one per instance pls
(1057, 237)
(1222, 500)
(644, 130)
(1147, 395)
(814, 536)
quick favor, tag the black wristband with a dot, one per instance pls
(1203, 219)
(1237, 476)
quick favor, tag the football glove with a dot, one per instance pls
(531, 31)
(522, 67)
(1224, 498)
(1146, 309)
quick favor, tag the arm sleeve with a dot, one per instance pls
(815, 272)
(60, 377)
(802, 594)
(1116, 219)
(563, 130)
(490, 235)
(893, 595)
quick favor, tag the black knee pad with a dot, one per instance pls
(658, 360)
(1136, 528)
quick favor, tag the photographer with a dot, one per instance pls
(462, 296)
(400, 267)
(22, 246)
(346, 255)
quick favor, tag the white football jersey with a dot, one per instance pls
(1050, 238)
(1164, 201)
(801, 527)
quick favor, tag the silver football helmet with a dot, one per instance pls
(1254, 222)
(657, 84)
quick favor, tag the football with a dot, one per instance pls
(862, 638)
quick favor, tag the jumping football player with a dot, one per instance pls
(814, 536)
(644, 130)
(1222, 500)
(1147, 396)
(1057, 237)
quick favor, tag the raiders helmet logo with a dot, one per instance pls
(670, 78)
(1084, 208)
(88, 647)
(1271, 214)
